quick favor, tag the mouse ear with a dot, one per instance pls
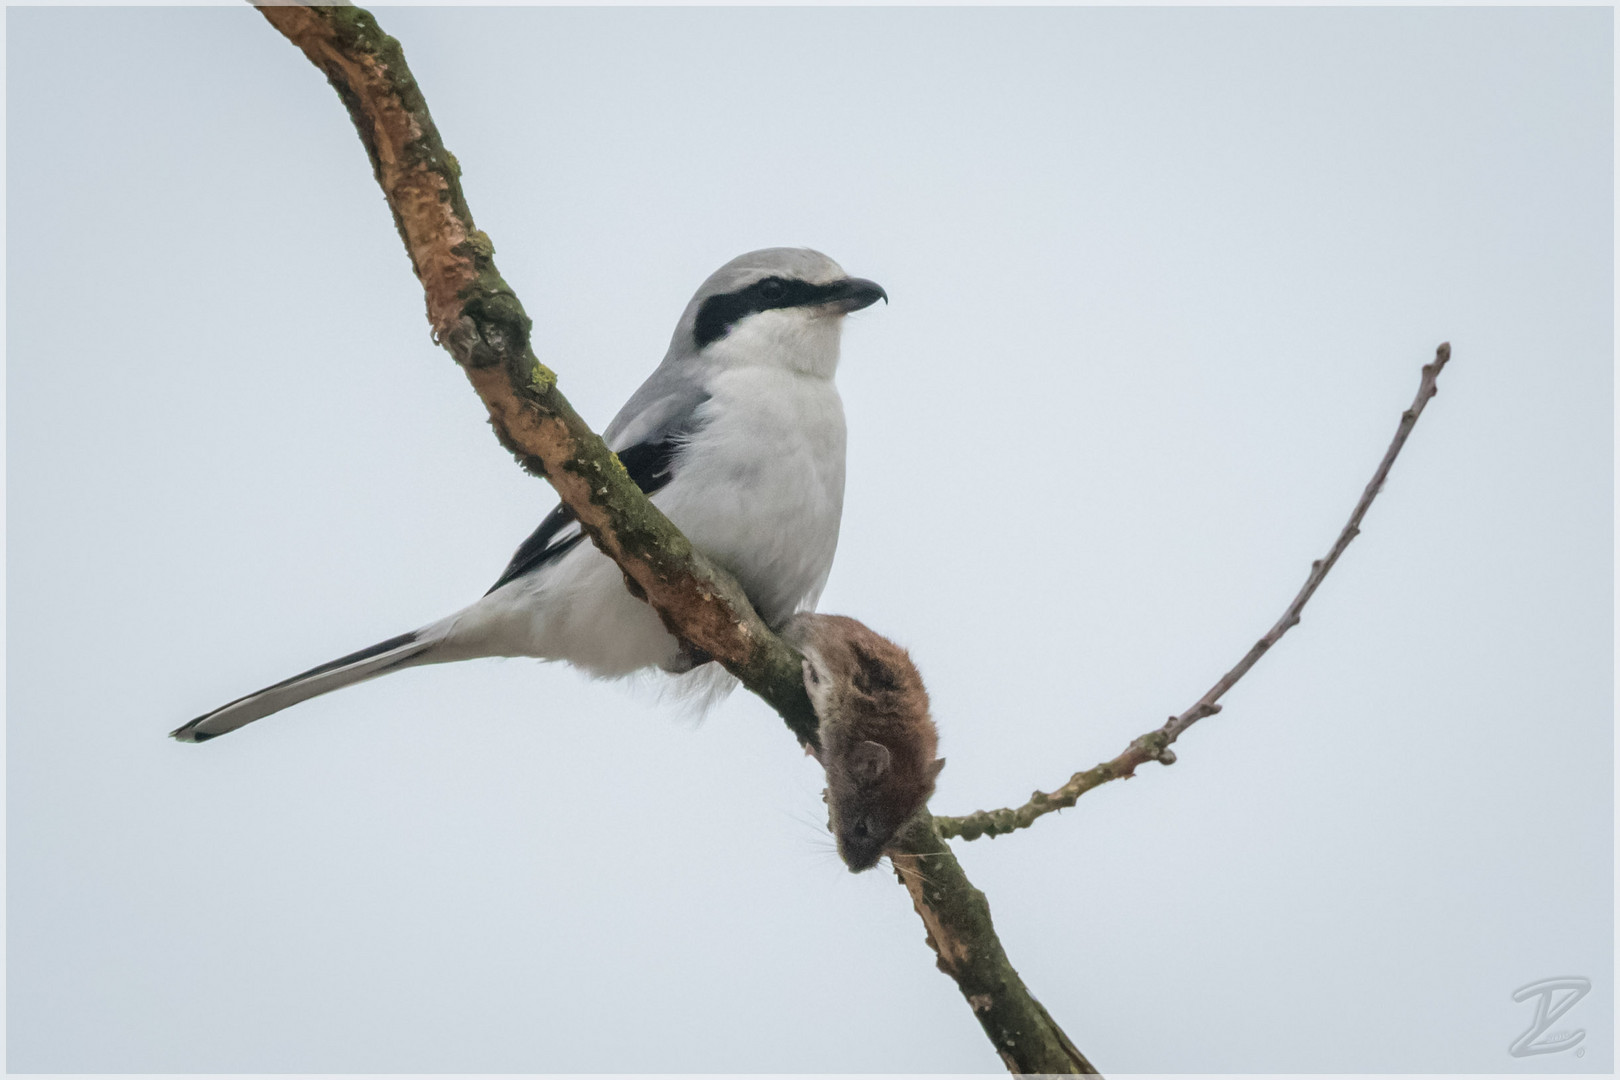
(935, 768)
(869, 760)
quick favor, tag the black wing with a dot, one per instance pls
(650, 465)
(542, 546)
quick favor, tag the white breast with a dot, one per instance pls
(760, 487)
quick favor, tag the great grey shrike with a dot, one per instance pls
(738, 437)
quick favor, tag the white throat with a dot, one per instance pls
(802, 340)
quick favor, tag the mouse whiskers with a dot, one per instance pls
(907, 864)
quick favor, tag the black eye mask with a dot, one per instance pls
(720, 313)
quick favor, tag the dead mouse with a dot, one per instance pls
(877, 739)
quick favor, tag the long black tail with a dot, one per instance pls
(406, 650)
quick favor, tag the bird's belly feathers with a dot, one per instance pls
(759, 489)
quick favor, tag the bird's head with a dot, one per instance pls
(778, 306)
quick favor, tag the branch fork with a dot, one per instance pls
(478, 319)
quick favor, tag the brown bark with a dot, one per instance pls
(957, 918)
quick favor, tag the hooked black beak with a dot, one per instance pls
(853, 294)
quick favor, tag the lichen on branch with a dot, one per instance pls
(957, 919)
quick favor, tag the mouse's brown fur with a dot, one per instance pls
(877, 739)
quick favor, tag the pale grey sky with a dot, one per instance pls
(1162, 282)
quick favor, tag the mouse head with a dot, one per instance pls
(877, 739)
(868, 800)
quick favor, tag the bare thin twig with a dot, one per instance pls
(1155, 745)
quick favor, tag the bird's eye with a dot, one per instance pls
(772, 289)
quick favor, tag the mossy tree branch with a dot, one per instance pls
(476, 317)
(1155, 745)
(957, 918)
